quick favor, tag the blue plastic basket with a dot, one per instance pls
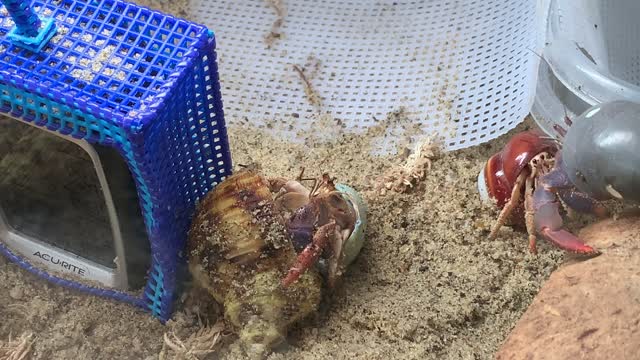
(144, 82)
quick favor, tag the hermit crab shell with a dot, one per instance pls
(239, 250)
(498, 176)
(354, 244)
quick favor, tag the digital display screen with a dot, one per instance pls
(50, 191)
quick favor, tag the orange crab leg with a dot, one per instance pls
(310, 254)
(509, 206)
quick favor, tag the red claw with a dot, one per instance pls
(548, 222)
(567, 241)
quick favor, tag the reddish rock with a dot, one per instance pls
(588, 309)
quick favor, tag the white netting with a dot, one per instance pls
(465, 69)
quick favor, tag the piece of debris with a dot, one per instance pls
(586, 53)
(401, 178)
(307, 73)
(18, 349)
(275, 33)
(200, 344)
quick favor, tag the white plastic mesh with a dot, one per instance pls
(465, 69)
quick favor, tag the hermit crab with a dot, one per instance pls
(598, 159)
(524, 168)
(324, 221)
(254, 243)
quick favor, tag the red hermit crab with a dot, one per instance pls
(528, 183)
(325, 222)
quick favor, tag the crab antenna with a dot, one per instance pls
(314, 188)
(299, 178)
(558, 142)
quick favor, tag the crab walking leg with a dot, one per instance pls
(582, 202)
(529, 214)
(509, 206)
(548, 223)
(290, 201)
(333, 263)
(322, 237)
(558, 181)
(277, 183)
(283, 186)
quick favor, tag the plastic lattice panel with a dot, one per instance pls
(466, 68)
(111, 57)
(143, 82)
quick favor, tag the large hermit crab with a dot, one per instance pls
(244, 242)
(597, 159)
(529, 167)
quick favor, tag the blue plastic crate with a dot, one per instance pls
(141, 81)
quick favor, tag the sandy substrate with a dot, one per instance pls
(427, 284)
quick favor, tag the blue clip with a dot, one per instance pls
(36, 43)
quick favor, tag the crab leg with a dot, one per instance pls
(334, 264)
(322, 237)
(509, 206)
(582, 202)
(291, 200)
(548, 223)
(282, 186)
(558, 181)
(290, 194)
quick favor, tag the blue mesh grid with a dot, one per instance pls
(143, 82)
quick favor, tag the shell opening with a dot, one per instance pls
(354, 243)
(482, 187)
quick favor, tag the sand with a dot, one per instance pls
(427, 284)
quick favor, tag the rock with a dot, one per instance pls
(16, 293)
(588, 309)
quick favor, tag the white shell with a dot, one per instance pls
(482, 187)
(355, 242)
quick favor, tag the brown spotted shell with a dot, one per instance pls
(239, 250)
